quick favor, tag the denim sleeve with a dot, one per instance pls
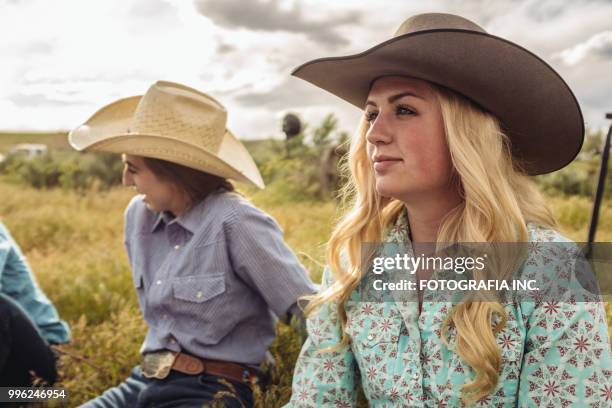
(4, 252)
(5, 249)
(18, 281)
(326, 379)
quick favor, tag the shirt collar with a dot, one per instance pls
(190, 221)
(399, 231)
(162, 218)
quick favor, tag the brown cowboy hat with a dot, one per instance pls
(537, 109)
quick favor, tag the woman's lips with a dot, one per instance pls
(385, 164)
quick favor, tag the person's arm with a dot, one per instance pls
(567, 359)
(5, 248)
(261, 258)
(19, 282)
(324, 379)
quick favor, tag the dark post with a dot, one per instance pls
(601, 182)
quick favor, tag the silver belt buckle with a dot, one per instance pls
(157, 364)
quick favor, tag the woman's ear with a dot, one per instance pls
(185, 197)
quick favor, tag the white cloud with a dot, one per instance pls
(599, 44)
(63, 59)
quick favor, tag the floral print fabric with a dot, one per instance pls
(554, 354)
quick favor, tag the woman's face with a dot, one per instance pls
(159, 195)
(406, 141)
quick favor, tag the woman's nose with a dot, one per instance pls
(379, 131)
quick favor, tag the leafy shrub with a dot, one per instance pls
(296, 169)
(578, 178)
(67, 170)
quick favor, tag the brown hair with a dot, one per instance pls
(194, 183)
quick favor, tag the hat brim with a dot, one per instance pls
(536, 108)
(108, 130)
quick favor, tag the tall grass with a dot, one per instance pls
(74, 243)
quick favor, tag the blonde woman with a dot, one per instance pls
(455, 119)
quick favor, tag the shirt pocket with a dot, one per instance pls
(373, 324)
(386, 331)
(199, 308)
(198, 289)
(374, 341)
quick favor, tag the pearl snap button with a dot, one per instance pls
(158, 282)
(199, 295)
(177, 247)
(370, 336)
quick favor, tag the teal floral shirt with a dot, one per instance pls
(554, 354)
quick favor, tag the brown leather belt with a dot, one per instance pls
(159, 363)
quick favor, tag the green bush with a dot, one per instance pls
(295, 168)
(68, 170)
(291, 168)
(578, 178)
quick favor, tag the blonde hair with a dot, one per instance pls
(498, 201)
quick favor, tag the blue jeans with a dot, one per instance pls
(176, 390)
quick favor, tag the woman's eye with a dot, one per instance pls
(404, 110)
(370, 116)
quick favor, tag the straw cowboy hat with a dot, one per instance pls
(170, 122)
(537, 109)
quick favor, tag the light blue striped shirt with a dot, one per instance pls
(210, 281)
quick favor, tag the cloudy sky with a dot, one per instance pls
(63, 59)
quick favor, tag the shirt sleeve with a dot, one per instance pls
(567, 358)
(324, 379)
(4, 251)
(261, 258)
(18, 282)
